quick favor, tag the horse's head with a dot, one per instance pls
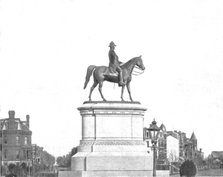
(139, 63)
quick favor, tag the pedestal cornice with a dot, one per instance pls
(111, 108)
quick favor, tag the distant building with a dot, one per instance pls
(216, 159)
(162, 146)
(168, 145)
(182, 143)
(16, 140)
(217, 155)
(189, 147)
(174, 146)
(37, 152)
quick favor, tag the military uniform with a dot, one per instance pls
(114, 63)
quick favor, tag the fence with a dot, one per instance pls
(172, 168)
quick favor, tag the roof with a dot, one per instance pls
(13, 123)
(173, 134)
(163, 128)
(193, 137)
(20, 124)
(217, 154)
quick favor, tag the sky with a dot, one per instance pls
(47, 45)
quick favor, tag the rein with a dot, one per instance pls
(137, 72)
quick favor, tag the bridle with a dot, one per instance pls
(138, 71)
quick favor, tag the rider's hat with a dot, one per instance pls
(111, 44)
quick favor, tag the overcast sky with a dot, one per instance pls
(47, 45)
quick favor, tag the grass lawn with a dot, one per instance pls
(211, 172)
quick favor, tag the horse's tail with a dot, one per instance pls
(90, 70)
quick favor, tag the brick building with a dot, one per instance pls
(16, 139)
(37, 153)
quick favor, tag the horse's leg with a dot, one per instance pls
(123, 88)
(129, 91)
(100, 90)
(92, 88)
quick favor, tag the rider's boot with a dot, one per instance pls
(121, 83)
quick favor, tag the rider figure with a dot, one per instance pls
(114, 63)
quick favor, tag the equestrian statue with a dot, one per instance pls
(117, 72)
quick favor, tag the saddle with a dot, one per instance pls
(111, 73)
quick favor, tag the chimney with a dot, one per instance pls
(11, 114)
(27, 120)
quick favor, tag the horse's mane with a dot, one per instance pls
(128, 63)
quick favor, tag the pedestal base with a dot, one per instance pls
(112, 142)
(111, 161)
(105, 174)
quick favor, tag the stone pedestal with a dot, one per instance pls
(112, 142)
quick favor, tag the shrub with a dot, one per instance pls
(188, 169)
(11, 166)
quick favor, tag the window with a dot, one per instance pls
(17, 140)
(5, 139)
(147, 134)
(26, 141)
(28, 154)
(17, 154)
(5, 153)
(6, 126)
(16, 125)
(24, 154)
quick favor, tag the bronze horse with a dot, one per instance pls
(103, 73)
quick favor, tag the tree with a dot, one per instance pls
(188, 169)
(65, 161)
(60, 161)
(47, 160)
(173, 156)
